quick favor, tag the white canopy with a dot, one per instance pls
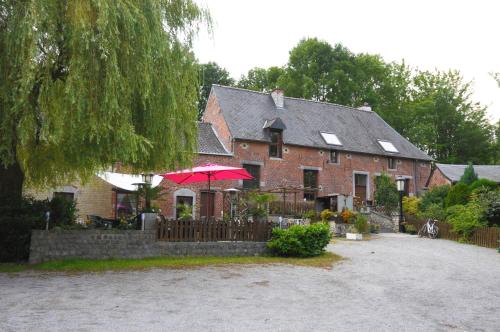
(127, 181)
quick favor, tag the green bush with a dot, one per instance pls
(310, 214)
(458, 195)
(410, 205)
(434, 196)
(410, 229)
(16, 222)
(326, 215)
(300, 241)
(489, 201)
(374, 228)
(469, 175)
(433, 211)
(488, 184)
(386, 193)
(465, 219)
(361, 224)
(18, 219)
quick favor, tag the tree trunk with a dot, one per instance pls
(11, 183)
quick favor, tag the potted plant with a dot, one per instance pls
(355, 232)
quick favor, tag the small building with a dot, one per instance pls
(444, 174)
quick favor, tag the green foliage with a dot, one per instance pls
(410, 205)
(458, 194)
(185, 212)
(326, 215)
(149, 194)
(260, 79)
(63, 212)
(386, 193)
(17, 221)
(410, 229)
(300, 241)
(488, 184)
(433, 211)
(434, 196)
(374, 228)
(310, 214)
(465, 219)
(87, 83)
(469, 175)
(361, 223)
(210, 73)
(259, 204)
(489, 202)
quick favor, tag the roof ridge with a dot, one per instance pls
(294, 98)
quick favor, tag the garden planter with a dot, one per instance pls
(354, 236)
(149, 222)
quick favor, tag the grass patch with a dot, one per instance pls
(325, 260)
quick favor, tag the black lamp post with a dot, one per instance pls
(400, 183)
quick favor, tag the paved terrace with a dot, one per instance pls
(394, 283)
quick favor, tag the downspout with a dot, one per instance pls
(415, 176)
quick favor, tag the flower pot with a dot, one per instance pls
(354, 236)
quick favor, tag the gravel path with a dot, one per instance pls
(395, 282)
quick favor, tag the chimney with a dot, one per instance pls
(278, 97)
(366, 107)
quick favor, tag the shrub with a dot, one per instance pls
(300, 241)
(386, 193)
(458, 195)
(465, 219)
(489, 201)
(410, 205)
(433, 211)
(434, 196)
(361, 223)
(410, 229)
(63, 212)
(16, 222)
(487, 184)
(326, 215)
(310, 214)
(347, 216)
(469, 175)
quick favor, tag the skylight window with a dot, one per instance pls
(388, 146)
(331, 139)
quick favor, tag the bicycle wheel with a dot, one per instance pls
(422, 231)
(433, 234)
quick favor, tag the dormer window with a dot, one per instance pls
(331, 139)
(276, 145)
(388, 146)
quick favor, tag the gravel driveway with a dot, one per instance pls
(395, 282)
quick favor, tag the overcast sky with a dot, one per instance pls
(461, 35)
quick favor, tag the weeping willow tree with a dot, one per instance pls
(84, 84)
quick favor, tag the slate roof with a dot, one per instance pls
(454, 172)
(246, 112)
(208, 142)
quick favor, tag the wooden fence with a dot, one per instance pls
(485, 237)
(203, 231)
(289, 208)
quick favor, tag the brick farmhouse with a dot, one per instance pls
(326, 151)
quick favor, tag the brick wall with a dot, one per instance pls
(437, 179)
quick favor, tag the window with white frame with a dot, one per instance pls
(331, 139)
(388, 146)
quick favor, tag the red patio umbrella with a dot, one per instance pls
(208, 172)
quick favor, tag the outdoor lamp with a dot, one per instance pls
(147, 177)
(400, 184)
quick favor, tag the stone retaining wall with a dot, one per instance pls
(387, 224)
(102, 244)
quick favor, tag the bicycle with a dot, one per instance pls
(429, 228)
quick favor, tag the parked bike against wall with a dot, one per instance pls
(429, 229)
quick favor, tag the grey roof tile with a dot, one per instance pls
(246, 112)
(208, 142)
(454, 172)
